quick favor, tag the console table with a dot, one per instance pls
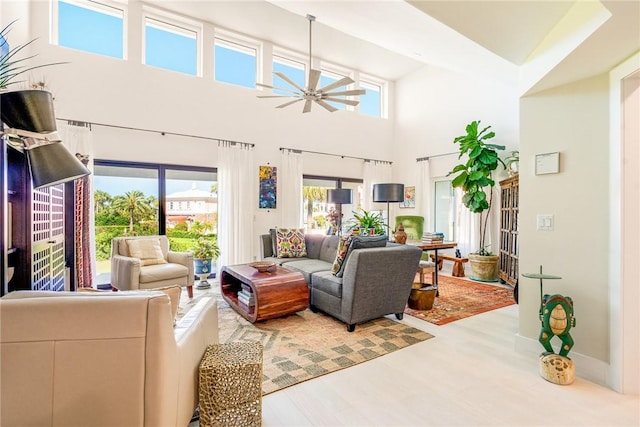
(277, 293)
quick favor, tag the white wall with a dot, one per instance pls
(572, 120)
(433, 107)
(100, 89)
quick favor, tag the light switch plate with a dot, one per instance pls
(544, 222)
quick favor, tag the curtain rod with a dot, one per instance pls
(420, 159)
(295, 150)
(80, 123)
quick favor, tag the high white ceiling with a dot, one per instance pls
(391, 38)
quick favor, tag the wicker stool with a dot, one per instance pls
(231, 385)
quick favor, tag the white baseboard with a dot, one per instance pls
(587, 367)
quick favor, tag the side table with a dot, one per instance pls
(230, 388)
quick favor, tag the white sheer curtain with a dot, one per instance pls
(373, 172)
(237, 192)
(424, 194)
(290, 189)
(78, 139)
(467, 227)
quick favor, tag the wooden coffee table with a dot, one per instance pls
(277, 292)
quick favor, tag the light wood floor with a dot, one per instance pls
(468, 375)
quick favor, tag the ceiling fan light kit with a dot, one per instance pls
(311, 94)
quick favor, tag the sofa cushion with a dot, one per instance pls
(314, 243)
(274, 239)
(308, 267)
(290, 243)
(363, 242)
(341, 255)
(326, 282)
(329, 248)
(159, 272)
(148, 251)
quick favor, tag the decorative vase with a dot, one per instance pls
(202, 268)
(484, 268)
(30, 110)
(400, 236)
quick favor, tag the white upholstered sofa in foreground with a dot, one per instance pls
(100, 359)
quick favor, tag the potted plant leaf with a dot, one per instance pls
(474, 177)
(367, 223)
(205, 253)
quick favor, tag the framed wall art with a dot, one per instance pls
(268, 180)
(409, 198)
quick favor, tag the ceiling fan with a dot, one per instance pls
(311, 94)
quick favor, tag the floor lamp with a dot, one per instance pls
(389, 193)
(339, 197)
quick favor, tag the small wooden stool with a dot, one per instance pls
(231, 385)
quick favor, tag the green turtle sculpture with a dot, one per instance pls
(557, 318)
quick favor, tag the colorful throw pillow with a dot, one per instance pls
(148, 251)
(290, 243)
(341, 255)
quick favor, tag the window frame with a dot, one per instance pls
(240, 43)
(367, 79)
(170, 20)
(102, 6)
(341, 72)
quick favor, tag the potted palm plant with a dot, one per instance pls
(474, 177)
(205, 253)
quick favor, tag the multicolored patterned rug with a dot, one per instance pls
(307, 345)
(460, 298)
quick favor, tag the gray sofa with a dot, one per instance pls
(375, 281)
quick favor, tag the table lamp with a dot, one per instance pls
(339, 197)
(389, 193)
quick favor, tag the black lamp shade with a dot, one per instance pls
(339, 196)
(388, 192)
(52, 164)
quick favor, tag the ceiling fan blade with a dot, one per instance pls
(286, 104)
(288, 80)
(276, 88)
(331, 108)
(342, 82)
(347, 93)
(342, 101)
(275, 96)
(314, 77)
(307, 106)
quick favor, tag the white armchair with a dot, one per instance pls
(100, 359)
(146, 262)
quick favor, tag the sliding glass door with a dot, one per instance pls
(141, 199)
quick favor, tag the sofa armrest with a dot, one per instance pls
(194, 332)
(184, 258)
(125, 272)
(378, 280)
